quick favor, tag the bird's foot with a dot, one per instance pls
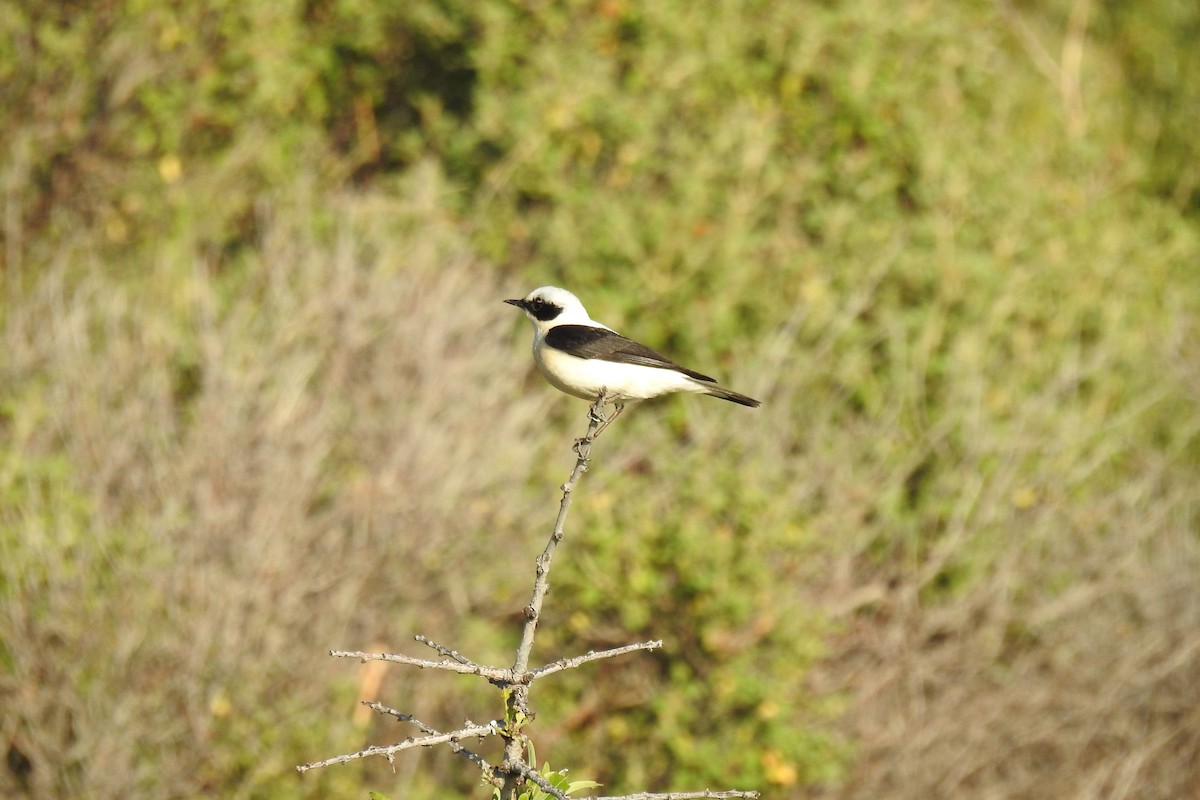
(604, 422)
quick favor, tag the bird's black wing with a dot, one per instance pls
(586, 341)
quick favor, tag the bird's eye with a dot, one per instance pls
(542, 309)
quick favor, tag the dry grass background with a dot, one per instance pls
(954, 554)
(1017, 690)
(334, 483)
(316, 498)
(304, 469)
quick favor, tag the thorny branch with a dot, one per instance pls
(517, 701)
(591, 655)
(515, 681)
(418, 741)
(446, 651)
(490, 773)
(583, 449)
(493, 674)
(529, 773)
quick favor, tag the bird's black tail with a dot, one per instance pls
(731, 396)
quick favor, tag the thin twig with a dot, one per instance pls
(516, 680)
(516, 701)
(532, 774)
(490, 773)
(446, 651)
(533, 612)
(591, 655)
(389, 751)
(493, 674)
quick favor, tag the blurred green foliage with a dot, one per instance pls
(1150, 43)
(696, 554)
(959, 301)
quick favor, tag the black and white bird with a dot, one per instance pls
(580, 356)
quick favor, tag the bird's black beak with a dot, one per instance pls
(518, 303)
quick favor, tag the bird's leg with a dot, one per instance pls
(596, 409)
(596, 413)
(606, 421)
(597, 418)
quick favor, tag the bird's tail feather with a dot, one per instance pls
(730, 395)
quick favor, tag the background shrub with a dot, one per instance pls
(253, 253)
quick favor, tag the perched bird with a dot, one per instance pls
(581, 356)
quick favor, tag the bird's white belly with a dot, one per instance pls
(586, 377)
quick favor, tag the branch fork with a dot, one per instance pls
(514, 681)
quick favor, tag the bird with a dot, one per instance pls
(580, 356)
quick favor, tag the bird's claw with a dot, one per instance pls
(604, 422)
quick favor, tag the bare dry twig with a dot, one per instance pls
(517, 701)
(493, 674)
(583, 449)
(490, 773)
(515, 681)
(530, 774)
(591, 655)
(391, 750)
(446, 651)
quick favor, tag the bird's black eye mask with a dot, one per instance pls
(542, 310)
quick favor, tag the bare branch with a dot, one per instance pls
(489, 772)
(583, 449)
(389, 751)
(514, 771)
(516, 705)
(493, 674)
(400, 715)
(533, 775)
(446, 651)
(591, 655)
